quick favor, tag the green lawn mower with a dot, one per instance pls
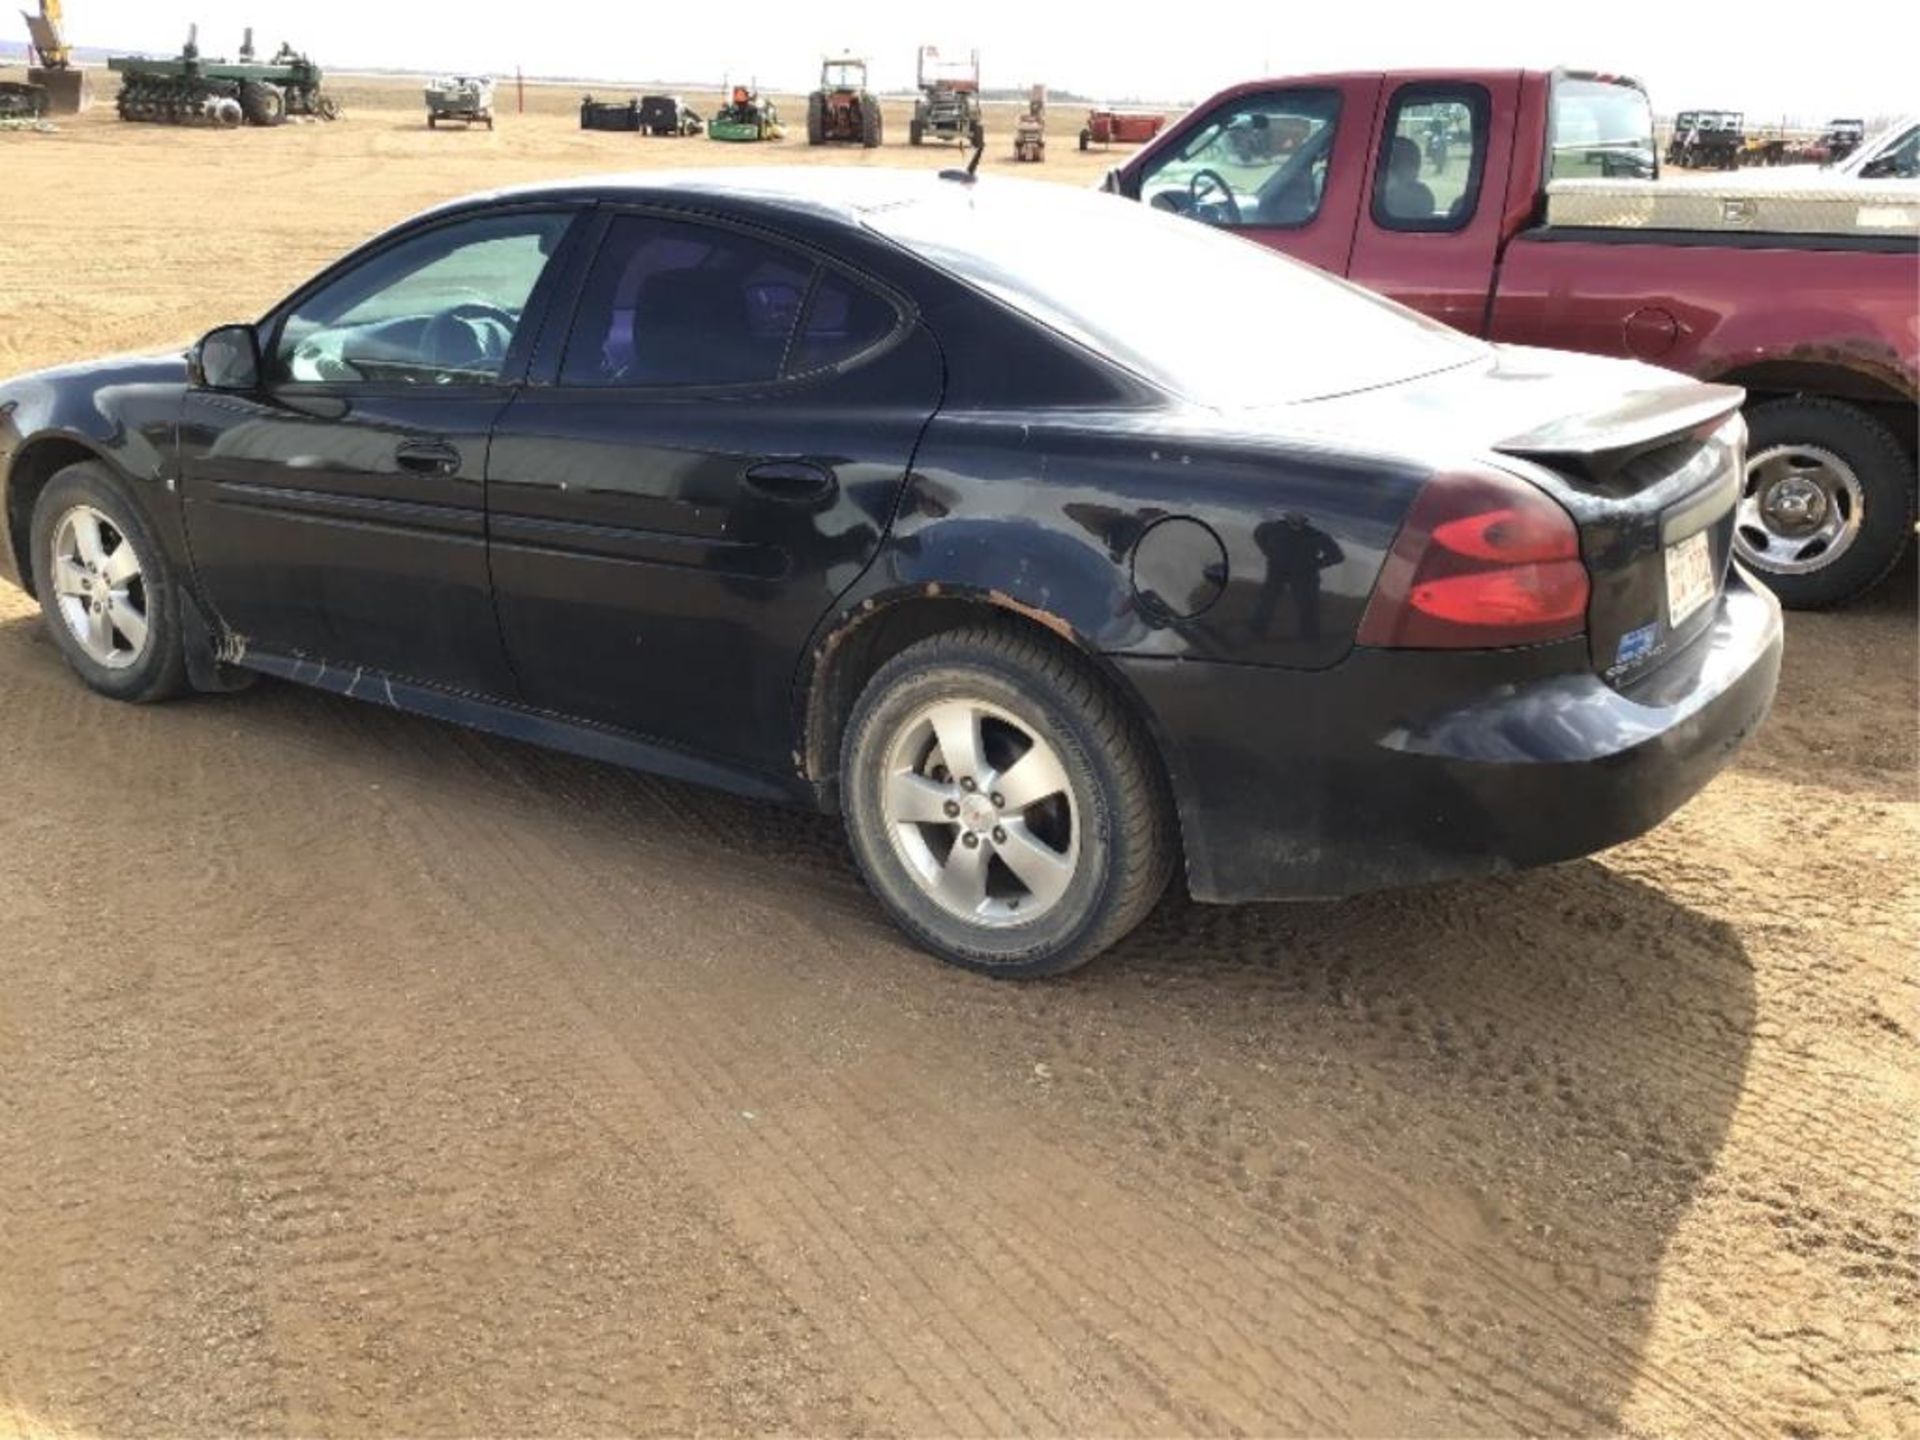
(746, 117)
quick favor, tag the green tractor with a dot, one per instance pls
(192, 90)
(745, 117)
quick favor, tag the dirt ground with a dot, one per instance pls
(359, 1074)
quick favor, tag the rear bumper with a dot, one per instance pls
(1402, 768)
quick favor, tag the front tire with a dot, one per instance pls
(1828, 502)
(106, 588)
(1004, 806)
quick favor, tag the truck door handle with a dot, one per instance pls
(427, 457)
(793, 481)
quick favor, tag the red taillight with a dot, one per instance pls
(1483, 559)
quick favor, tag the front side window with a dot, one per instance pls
(1261, 160)
(1427, 178)
(442, 308)
(673, 303)
(1603, 130)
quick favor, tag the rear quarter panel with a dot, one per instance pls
(1273, 560)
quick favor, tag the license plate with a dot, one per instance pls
(1689, 577)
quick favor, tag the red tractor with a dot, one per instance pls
(842, 109)
(1124, 127)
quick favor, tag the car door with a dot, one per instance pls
(338, 513)
(715, 461)
(1282, 166)
(1430, 234)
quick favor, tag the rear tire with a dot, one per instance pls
(816, 119)
(870, 122)
(263, 104)
(80, 605)
(1101, 814)
(916, 130)
(1873, 472)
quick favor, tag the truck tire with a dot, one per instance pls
(1828, 503)
(106, 588)
(916, 130)
(263, 104)
(869, 122)
(1009, 884)
(816, 119)
(977, 135)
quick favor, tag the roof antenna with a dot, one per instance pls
(966, 176)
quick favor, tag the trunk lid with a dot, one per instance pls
(1648, 463)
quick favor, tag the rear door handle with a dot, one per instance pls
(428, 457)
(794, 481)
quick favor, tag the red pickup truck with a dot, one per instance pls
(1515, 205)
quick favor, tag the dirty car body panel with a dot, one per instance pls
(936, 418)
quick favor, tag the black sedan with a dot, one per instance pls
(1056, 543)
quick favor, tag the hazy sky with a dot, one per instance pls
(1860, 62)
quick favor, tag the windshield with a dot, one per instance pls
(844, 75)
(1602, 129)
(1195, 311)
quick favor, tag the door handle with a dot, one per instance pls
(428, 457)
(793, 481)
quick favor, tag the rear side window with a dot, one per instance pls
(843, 321)
(672, 303)
(1427, 177)
(1602, 130)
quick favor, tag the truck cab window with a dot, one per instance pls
(1427, 177)
(1259, 160)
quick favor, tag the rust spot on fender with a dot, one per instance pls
(1033, 612)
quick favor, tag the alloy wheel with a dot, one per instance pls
(980, 809)
(99, 589)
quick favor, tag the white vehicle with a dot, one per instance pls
(1893, 154)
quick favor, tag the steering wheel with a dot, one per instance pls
(1213, 180)
(466, 338)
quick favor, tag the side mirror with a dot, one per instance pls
(226, 359)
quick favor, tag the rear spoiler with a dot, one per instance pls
(1598, 445)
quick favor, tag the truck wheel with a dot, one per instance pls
(916, 131)
(977, 135)
(870, 123)
(263, 104)
(1828, 502)
(816, 119)
(1003, 803)
(106, 588)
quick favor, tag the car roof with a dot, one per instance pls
(840, 192)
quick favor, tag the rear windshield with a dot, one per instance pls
(1600, 129)
(1199, 313)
